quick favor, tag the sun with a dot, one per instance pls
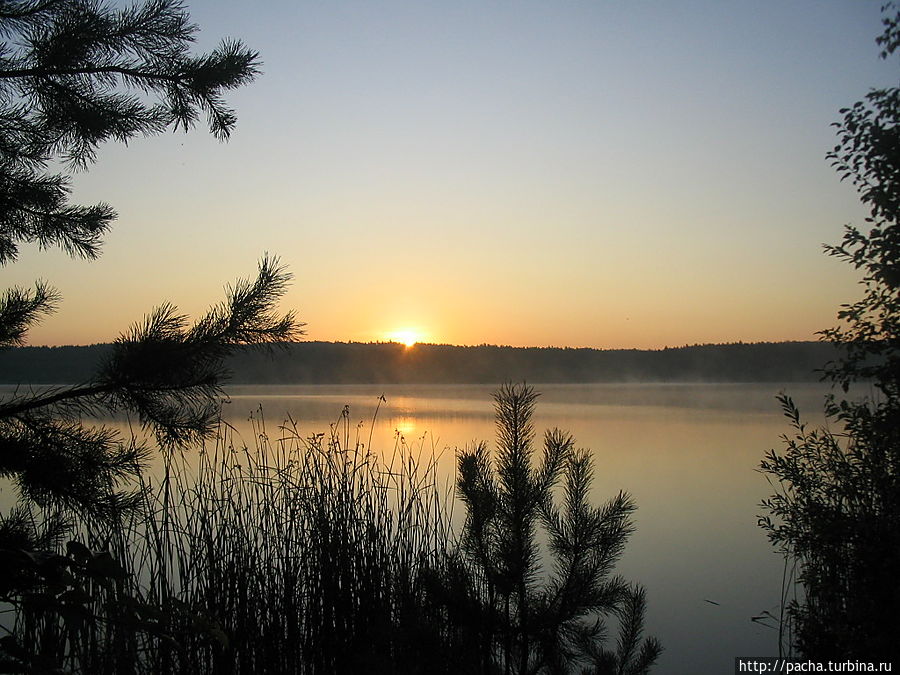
(406, 337)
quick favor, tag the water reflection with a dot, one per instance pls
(687, 453)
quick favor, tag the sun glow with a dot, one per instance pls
(406, 337)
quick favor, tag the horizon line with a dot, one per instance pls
(485, 345)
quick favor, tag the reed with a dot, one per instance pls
(315, 554)
(288, 554)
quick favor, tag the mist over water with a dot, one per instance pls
(687, 453)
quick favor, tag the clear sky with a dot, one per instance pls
(594, 173)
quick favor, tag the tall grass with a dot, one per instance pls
(314, 554)
(292, 554)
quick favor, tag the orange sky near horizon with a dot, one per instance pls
(584, 175)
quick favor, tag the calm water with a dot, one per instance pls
(687, 453)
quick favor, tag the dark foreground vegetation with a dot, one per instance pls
(391, 363)
(297, 555)
(317, 555)
(836, 512)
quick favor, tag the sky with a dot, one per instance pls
(577, 173)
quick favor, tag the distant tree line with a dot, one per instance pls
(391, 363)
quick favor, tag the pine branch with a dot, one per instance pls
(20, 308)
(233, 72)
(38, 402)
(66, 80)
(24, 10)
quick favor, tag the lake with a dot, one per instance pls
(687, 453)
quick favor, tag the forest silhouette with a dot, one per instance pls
(315, 554)
(393, 363)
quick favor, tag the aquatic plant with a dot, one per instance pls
(316, 554)
(298, 554)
